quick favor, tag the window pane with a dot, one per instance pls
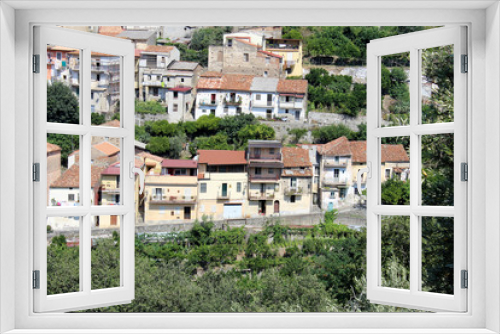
(437, 254)
(437, 84)
(395, 251)
(63, 84)
(105, 89)
(63, 170)
(395, 86)
(106, 170)
(395, 170)
(63, 255)
(437, 169)
(105, 262)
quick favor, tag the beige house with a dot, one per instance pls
(291, 52)
(265, 165)
(171, 196)
(295, 195)
(222, 182)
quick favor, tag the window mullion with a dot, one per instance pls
(415, 170)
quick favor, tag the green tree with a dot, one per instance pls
(396, 192)
(233, 124)
(96, 118)
(297, 134)
(215, 142)
(62, 104)
(255, 131)
(159, 145)
(149, 107)
(67, 143)
(328, 133)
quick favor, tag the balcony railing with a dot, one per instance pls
(290, 105)
(335, 163)
(223, 195)
(152, 83)
(294, 191)
(265, 157)
(263, 178)
(260, 196)
(262, 103)
(165, 199)
(208, 103)
(334, 181)
(232, 102)
(282, 47)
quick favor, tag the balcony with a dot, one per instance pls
(208, 103)
(291, 104)
(164, 199)
(281, 46)
(232, 102)
(267, 157)
(110, 190)
(269, 178)
(260, 196)
(335, 164)
(289, 191)
(152, 83)
(97, 68)
(334, 181)
(223, 195)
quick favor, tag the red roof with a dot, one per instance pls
(107, 148)
(147, 155)
(179, 163)
(269, 53)
(52, 148)
(114, 169)
(292, 86)
(71, 177)
(181, 89)
(337, 147)
(110, 30)
(114, 123)
(241, 40)
(221, 157)
(159, 48)
(295, 157)
(394, 153)
(240, 82)
(211, 74)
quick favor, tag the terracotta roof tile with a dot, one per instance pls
(295, 157)
(114, 123)
(307, 172)
(394, 153)
(179, 163)
(148, 155)
(337, 147)
(71, 177)
(209, 83)
(180, 89)
(236, 82)
(242, 40)
(269, 53)
(52, 148)
(159, 48)
(292, 86)
(211, 74)
(358, 151)
(221, 157)
(107, 148)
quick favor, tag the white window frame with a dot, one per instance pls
(414, 43)
(482, 316)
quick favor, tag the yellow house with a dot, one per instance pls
(290, 50)
(222, 182)
(171, 195)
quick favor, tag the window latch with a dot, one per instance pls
(465, 64)
(36, 63)
(36, 172)
(465, 279)
(464, 171)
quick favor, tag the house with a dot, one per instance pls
(53, 165)
(222, 182)
(171, 197)
(65, 191)
(291, 52)
(232, 94)
(340, 161)
(239, 55)
(139, 36)
(103, 153)
(58, 63)
(152, 67)
(265, 164)
(295, 195)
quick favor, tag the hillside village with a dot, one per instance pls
(253, 72)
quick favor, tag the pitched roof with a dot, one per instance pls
(292, 86)
(269, 53)
(180, 89)
(179, 163)
(211, 74)
(114, 123)
(295, 157)
(263, 84)
(147, 155)
(136, 34)
(242, 40)
(221, 157)
(159, 48)
(306, 172)
(337, 147)
(183, 65)
(209, 83)
(52, 147)
(107, 148)
(114, 169)
(394, 153)
(236, 82)
(358, 151)
(110, 30)
(71, 177)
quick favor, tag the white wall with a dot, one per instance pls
(7, 170)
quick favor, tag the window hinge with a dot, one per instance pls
(36, 172)
(465, 279)
(465, 63)
(36, 279)
(464, 171)
(36, 63)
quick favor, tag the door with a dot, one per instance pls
(276, 206)
(269, 100)
(232, 211)
(224, 190)
(187, 212)
(62, 116)
(430, 128)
